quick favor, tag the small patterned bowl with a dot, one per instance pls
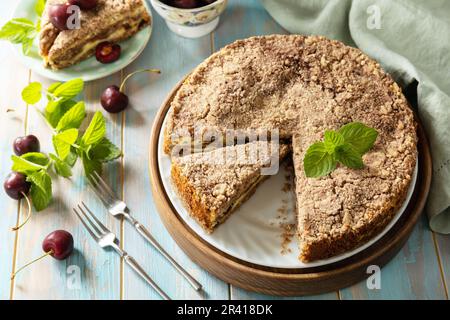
(191, 23)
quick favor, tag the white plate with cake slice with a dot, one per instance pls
(88, 69)
(262, 230)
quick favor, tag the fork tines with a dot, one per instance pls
(90, 221)
(101, 188)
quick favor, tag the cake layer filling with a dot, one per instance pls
(239, 200)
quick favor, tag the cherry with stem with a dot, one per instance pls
(113, 99)
(57, 244)
(28, 216)
(17, 187)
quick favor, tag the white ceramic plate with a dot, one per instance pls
(89, 69)
(253, 232)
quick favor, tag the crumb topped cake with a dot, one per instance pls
(214, 183)
(111, 20)
(302, 86)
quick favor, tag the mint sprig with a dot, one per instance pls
(20, 31)
(23, 31)
(345, 146)
(39, 7)
(64, 141)
(65, 116)
(35, 166)
(41, 189)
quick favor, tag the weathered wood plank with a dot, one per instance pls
(12, 78)
(243, 19)
(175, 57)
(443, 250)
(97, 270)
(413, 274)
(13, 126)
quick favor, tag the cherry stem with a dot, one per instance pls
(31, 262)
(122, 86)
(28, 215)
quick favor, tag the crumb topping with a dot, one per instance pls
(304, 86)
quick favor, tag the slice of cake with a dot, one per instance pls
(214, 183)
(111, 20)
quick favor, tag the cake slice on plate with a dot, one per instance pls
(111, 20)
(214, 183)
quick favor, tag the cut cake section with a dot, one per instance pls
(214, 183)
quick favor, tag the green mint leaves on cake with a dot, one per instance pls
(345, 146)
(23, 31)
(64, 115)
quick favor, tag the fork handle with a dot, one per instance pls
(136, 267)
(146, 234)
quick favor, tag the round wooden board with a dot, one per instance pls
(287, 282)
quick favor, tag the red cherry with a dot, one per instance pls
(16, 185)
(107, 52)
(60, 242)
(59, 14)
(26, 144)
(113, 100)
(84, 4)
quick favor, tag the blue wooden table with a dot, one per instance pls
(421, 270)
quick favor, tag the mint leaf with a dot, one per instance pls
(24, 166)
(345, 146)
(32, 93)
(52, 89)
(19, 31)
(317, 161)
(72, 118)
(55, 110)
(332, 139)
(104, 151)
(41, 189)
(39, 7)
(359, 136)
(349, 157)
(71, 158)
(95, 131)
(69, 89)
(15, 29)
(61, 167)
(90, 165)
(63, 142)
(36, 157)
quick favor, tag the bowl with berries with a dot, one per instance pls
(190, 18)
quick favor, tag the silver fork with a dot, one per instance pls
(119, 209)
(105, 238)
